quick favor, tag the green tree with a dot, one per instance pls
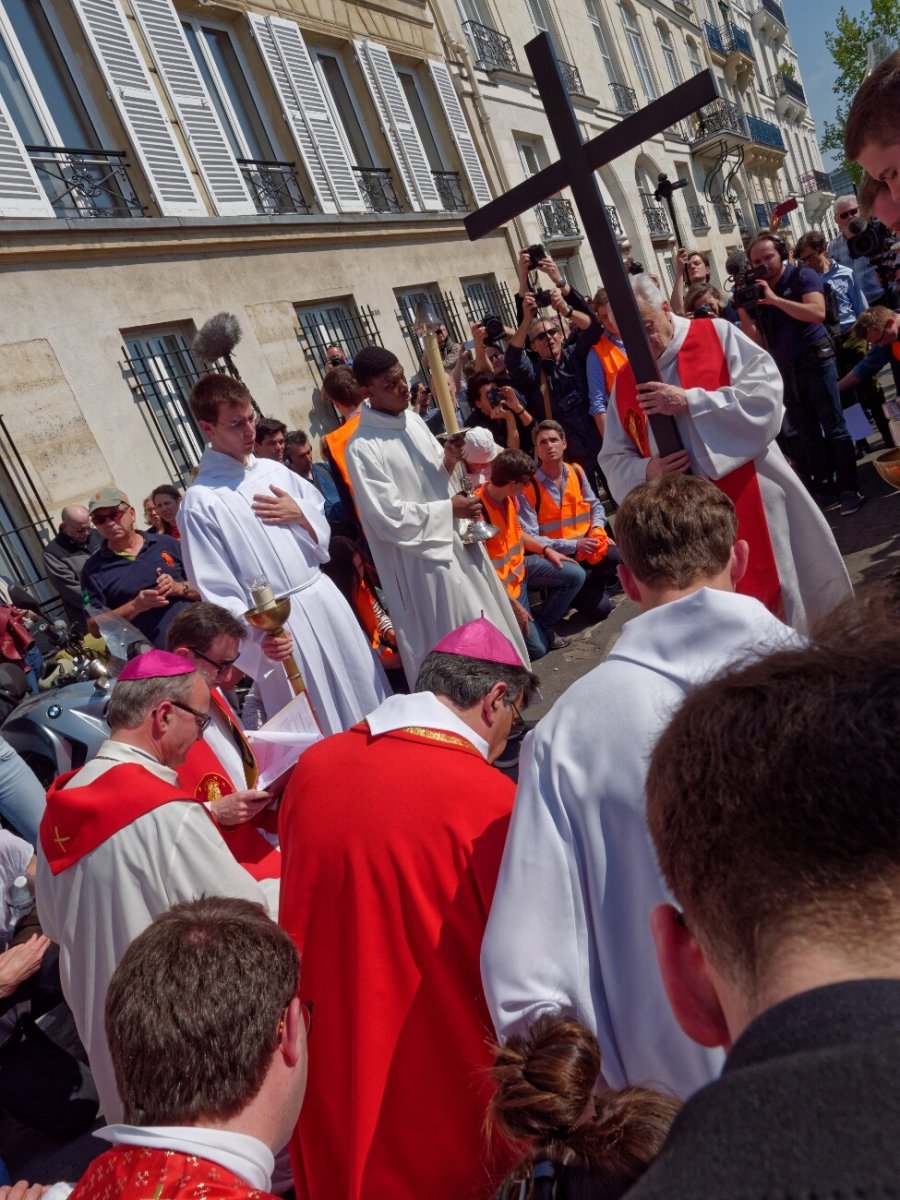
(847, 45)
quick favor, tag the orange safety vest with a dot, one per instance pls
(571, 518)
(336, 443)
(506, 549)
(612, 357)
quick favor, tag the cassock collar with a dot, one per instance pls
(682, 327)
(121, 752)
(242, 1155)
(369, 418)
(214, 465)
(425, 710)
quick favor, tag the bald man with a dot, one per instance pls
(64, 557)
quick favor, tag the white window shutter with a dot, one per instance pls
(21, 194)
(399, 128)
(309, 118)
(140, 108)
(198, 118)
(465, 143)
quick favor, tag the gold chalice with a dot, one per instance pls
(887, 464)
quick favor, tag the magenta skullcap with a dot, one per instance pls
(156, 664)
(480, 639)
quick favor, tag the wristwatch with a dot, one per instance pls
(185, 590)
(569, 312)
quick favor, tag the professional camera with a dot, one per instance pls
(494, 396)
(337, 360)
(748, 292)
(494, 329)
(704, 310)
(633, 267)
(541, 296)
(877, 243)
(535, 254)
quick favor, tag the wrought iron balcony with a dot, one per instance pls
(273, 187)
(736, 40)
(557, 217)
(698, 218)
(493, 50)
(450, 191)
(614, 223)
(571, 78)
(377, 189)
(774, 9)
(816, 181)
(765, 133)
(768, 19)
(85, 183)
(657, 221)
(784, 85)
(724, 214)
(678, 131)
(720, 117)
(624, 98)
(713, 37)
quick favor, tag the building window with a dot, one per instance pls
(599, 27)
(421, 117)
(345, 108)
(340, 322)
(162, 371)
(693, 53)
(668, 50)
(544, 22)
(531, 156)
(484, 296)
(442, 305)
(25, 525)
(639, 52)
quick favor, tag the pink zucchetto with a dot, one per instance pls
(156, 664)
(480, 639)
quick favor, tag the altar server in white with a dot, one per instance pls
(725, 394)
(409, 507)
(243, 517)
(569, 927)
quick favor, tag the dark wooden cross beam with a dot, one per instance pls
(575, 169)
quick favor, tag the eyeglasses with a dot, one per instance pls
(202, 719)
(850, 212)
(546, 333)
(237, 426)
(306, 1007)
(102, 518)
(220, 667)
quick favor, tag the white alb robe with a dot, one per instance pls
(431, 581)
(225, 545)
(569, 926)
(95, 908)
(721, 431)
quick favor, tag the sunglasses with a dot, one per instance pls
(850, 212)
(221, 667)
(102, 518)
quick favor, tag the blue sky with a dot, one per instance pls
(808, 20)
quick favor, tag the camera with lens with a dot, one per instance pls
(874, 241)
(705, 310)
(748, 292)
(535, 254)
(633, 267)
(494, 396)
(494, 329)
(541, 297)
(337, 360)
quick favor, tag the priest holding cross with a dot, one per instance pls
(704, 400)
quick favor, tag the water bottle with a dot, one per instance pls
(20, 900)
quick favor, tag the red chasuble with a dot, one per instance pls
(141, 1173)
(78, 820)
(702, 364)
(392, 846)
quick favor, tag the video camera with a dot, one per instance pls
(535, 254)
(874, 241)
(748, 291)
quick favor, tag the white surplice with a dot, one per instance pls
(431, 581)
(225, 545)
(95, 908)
(721, 431)
(569, 926)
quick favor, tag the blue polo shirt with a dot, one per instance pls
(789, 339)
(109, 580)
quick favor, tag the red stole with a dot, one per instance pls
(702, 364)
(78, 820)
(135, 1172)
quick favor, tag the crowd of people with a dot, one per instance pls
(655, 953)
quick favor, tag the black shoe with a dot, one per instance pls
(557, 642)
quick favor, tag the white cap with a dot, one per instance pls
(480, 447)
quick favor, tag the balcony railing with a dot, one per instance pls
(85, 183)
(763, 213)
(783, 85)
(571, 78)
(273, 187)
(450, 191)
(713, 37)
(624, 98)
(719, 117)
(614, 223)
(764, 132)
(815, 181)
(724, 214)
(377, 189)
(736, 40)
(492, 50)
(774, 9)
(678, 131)
(557, 217)
(657, 221)
(697, 215)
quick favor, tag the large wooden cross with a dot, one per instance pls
(575, 169)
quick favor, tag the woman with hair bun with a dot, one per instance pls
(582, 1143)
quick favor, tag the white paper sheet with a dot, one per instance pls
(858, 423)
(280, 742)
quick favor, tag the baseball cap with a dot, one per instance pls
(107, 498)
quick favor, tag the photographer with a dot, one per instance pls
(785, 316)
(499, 409)
(553, 377)
(846, 211)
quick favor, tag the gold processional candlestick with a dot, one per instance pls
(271, 616)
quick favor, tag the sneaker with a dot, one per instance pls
(557, 642)
(851, 502)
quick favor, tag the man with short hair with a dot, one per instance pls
(137, 576)
(214, 972)
(270, 435)
(846, 209)
(772, 803)
(121, 842)
(76, 540)
(392, 835)
(569, 925)
(725, 392)
(561, 512)
(879, 327)
(408, 506)
(603, 362)
(335, 356)
(244, 518)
